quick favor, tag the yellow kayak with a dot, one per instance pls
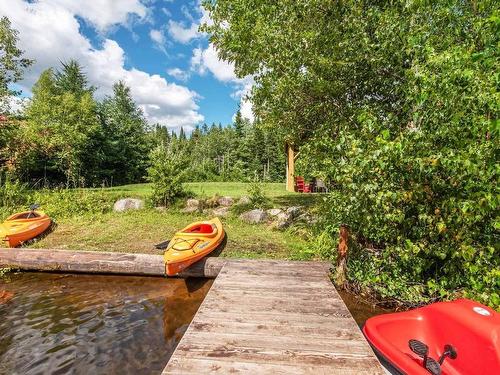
(191, 244)
(22, 227)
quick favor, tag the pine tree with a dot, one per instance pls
(72, 79)
(182, 135)
(239, 124)
(125, 130)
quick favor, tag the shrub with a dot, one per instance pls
(12, 193)
(258, 198)
(167, 173)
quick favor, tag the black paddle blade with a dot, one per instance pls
(34, 206)
(162, 245)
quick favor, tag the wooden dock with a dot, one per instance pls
(273, 317)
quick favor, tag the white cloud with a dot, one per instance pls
(207, 59)
(157, 36)
(204, 60)
(246, 110)
(182, 34)
(103, 13)
(16, 104)
(49, 33)
(179, 74)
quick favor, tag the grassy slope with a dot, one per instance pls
(138, 231)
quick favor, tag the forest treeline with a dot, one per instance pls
(65, 136)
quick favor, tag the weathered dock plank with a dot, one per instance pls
(272, 317)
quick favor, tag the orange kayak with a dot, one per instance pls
(22, 227)
(192, 244)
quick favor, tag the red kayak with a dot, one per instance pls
(449, 338)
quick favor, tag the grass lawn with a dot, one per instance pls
(209, 189)
(138, 231)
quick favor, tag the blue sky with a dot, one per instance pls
(154, 46)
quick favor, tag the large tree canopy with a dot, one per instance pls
(396, 103)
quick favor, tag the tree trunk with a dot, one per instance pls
(341, 269)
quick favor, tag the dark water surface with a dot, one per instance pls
(359, 309)
(93, 324)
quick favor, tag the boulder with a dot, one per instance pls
(211, 202)
(244, 200)
(190, 203)
(274, 212)
(306, 219)
(225, 201)
(189, 210)
(221, 211)
(128, 204)
(294, 211)
(254, 216)
(283, 220)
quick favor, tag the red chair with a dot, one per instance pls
(300, 184)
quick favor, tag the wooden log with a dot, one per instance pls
(126, 263)
(82, 261)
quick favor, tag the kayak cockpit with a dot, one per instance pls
(199, 229)
(24, 216)
(449, 338)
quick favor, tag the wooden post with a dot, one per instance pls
(341, 270)
(290, 168)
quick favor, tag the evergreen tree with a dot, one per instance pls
(239, 124)
(72, 79)
(160, 135)
(182, 135)
(126, 144)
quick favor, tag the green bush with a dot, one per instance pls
(257, 195)
(167, 173)
(57, 203)
(60, 203)
(12, 194)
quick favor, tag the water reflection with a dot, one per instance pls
(80, 324)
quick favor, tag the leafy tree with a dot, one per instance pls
(58, 131)
(396, 104)
(167, 172)
(12, 63)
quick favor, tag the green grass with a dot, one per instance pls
(276, 191)
(138, 231)
(208, 189)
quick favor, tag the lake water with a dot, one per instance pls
(93, 324)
